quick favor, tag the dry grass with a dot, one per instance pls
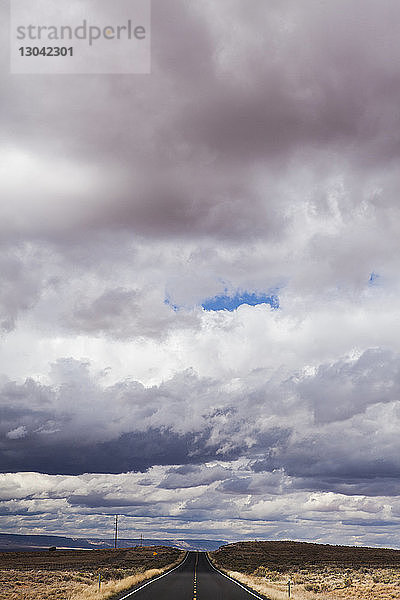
(383, 584)
(57, 582)
(40, 585)
(275, 591)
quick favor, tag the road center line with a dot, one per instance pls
(195, 577)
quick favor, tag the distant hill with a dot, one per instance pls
(17, 543)
(282, 556)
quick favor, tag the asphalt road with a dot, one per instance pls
(194, 579)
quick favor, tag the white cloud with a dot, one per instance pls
(17, 433)
(88, 502)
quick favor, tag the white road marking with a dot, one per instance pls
(153, 580)
(196, 562)
(233, 580)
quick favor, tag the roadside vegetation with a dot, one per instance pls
(74, 575)
(317, 572)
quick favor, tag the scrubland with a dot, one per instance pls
(74, 575)
(317, 572)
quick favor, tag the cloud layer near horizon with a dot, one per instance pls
(260, 157)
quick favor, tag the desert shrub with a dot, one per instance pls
(113, 574)
(309, 587)
(324, 587)
(80, 579)
(312, 587)
(273, 575)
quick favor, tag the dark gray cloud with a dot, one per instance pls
(125, 313)
(344, 389)
(53, 429)
(20, 286)
(184, 144)
(371, 485)
(129, 452)
(98, 501)
(193, 477)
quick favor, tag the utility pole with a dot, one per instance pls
(116, 532)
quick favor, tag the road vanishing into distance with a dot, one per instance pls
(194, 579)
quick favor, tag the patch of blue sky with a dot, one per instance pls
(174, 307)
(230, 303)
(374, 279)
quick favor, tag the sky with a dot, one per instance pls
(199, 300)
